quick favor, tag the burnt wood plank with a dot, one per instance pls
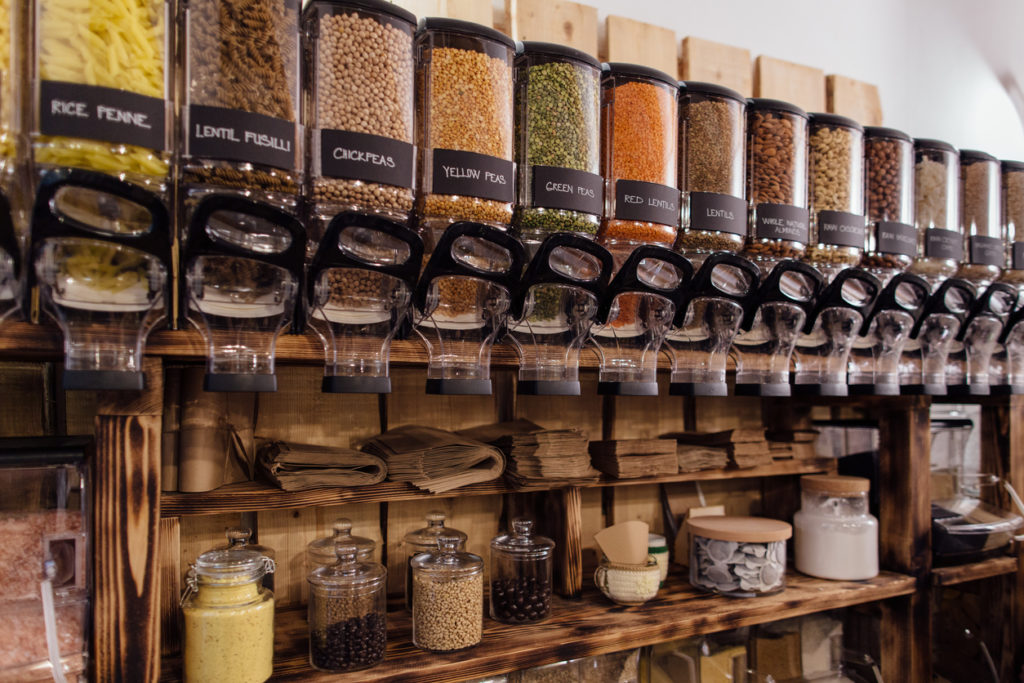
(996, 566)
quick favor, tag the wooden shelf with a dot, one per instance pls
(986, 569)
(256, 495)
(590, 626)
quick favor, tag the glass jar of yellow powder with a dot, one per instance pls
(228, 618)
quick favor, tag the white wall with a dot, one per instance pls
(945, 68)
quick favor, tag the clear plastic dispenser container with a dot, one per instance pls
(347, 612)
(937, 210)
(635, 315)
(359, 95)
(554, 310)
(45, 578)
(101, 257)
(464, 127)
(321, 552)
(877, 350)
(11, 263)
(838, 231)
(706, 323)
(521, 575)
(558, 142)
(889, 202)
(970, 355)
(980, 220)
(424, 540)
(779, 225)
(228, 623)
(823, 350)
(447, 597)
(239, 98)
(741, 557)
(712, 164)
(835, 535)
(772, 322)
(240, 538)
(1011, 373)
(101, 88)
(925, 357)
(461, 304)
(241, 274)
(1013, 222)
(360, 287)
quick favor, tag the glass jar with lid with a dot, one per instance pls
(239, 539)
(347, 612)
(321, 552)
(424, 540)
(836, 193)
(889, 202)
(776, 182)
(1013, 221)
(937, 210)
(448, 597)
(228, 618)
(521, 568)
(835, 535)
(742, 557)
(984, 249)
(711, 165)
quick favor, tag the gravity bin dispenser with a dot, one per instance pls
(10, 264)
(967, 372)
(634, 318)
(461, 304)
(101, 257)
(875, 357)
(242, 272)
(706, 323)
(923, 365)
(554, 310)
(359, 293)
(823, 350)
(772, 323)
(1012, 340)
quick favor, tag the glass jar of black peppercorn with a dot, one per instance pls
(521, 575)
(347, 629)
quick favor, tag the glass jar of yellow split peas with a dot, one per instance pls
(102, 70)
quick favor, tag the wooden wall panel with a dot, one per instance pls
(635, 42)
(713, 414)
(22, 398)
(553, 21)
(856, 99)
(479, 11)
(201, 533)
(711, 62)
(648, 417)
(288, 532)
(170, 585)
(797, 84)
(365, 522)
(557, 412)
(408, 404)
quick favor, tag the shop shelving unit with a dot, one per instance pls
(138, 530)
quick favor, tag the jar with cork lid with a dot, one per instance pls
(1013, 221)
(776, 182)
(424, 540)
(836, 537)
(347, 612)
(464, 128)
(358, 83)
(980, 199)
(321, 552)
(937, 210)
(712, 147)
(889, 202)
(836, 193)
(740, 557)
(448, 597)
(521, 568)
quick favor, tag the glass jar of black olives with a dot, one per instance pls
(521, 575)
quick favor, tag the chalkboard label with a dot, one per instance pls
(96, 113)
(986, 251)
(636, 200)
(472, 175)
(567, 188)
(782, 222)
(841, 229)
(360, 156)
(235, 135)
(897, 238)
(944, 244)
(1017, 253)
(721, 212)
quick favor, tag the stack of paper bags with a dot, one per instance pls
(536, 455)
(633, 458)
(745, 447)
(435, 460)
(298, 467)
(697, 458)
(799, 441)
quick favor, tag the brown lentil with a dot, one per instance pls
(447, 614)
